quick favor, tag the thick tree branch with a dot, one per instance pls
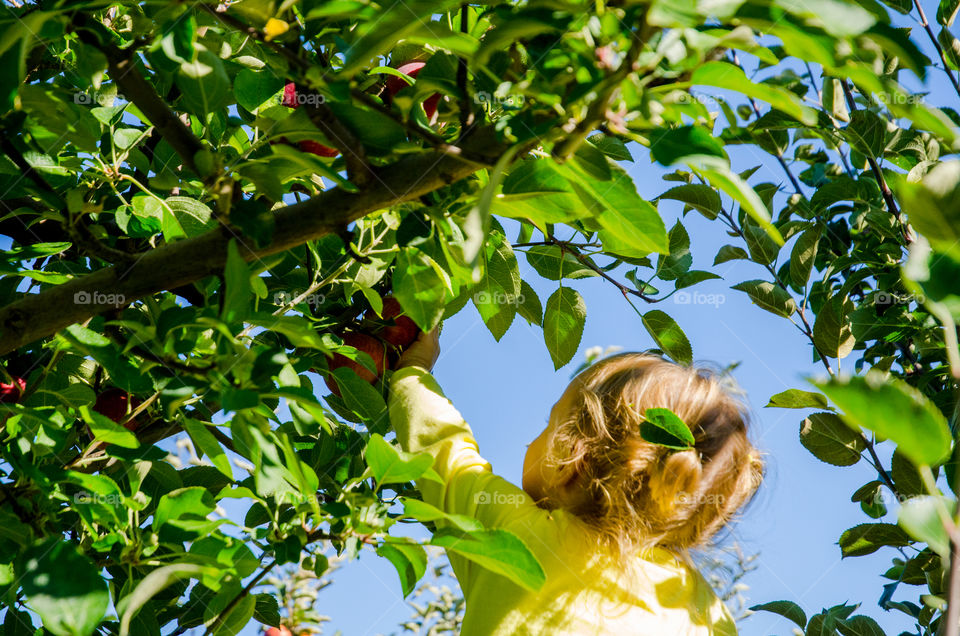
(176, 264)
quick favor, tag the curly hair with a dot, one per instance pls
(636, 494)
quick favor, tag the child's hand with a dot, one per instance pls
(423, 352)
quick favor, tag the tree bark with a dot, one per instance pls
(175, 264)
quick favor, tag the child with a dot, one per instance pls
(609, 516)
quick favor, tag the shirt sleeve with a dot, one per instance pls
(426, 421)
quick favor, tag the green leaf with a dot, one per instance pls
(391, 465)
(563, 322)
(419, 288)
(498, 294)
(947, 12)
(701, 198)
(768, 296)
(238, 293)
(362, 398)
(535, 190)
(833, 330)
(36, 250)
(867, 538)
(787, 609)
(668, 335)
(933, 206)
(950, 46)
(391, 24)
(675, 264)
(192, 502)
(631, 226)
(378, 133)
(256, 89)
(730, 77)
(207, 444)
(859, 625)
(830, 440)
(151, 585)
(741, 192)
(192, 216)
(422, 511)
(204, 85)
(64, 587)
(923, 517)
(554, 263)
(685, 143)
(895, 410)
(665, 428)
(107, 431)
(476, 223)
(802, 256)
(866, 132)
(499, 551)
(266, 609)
(613, 147)
(530, 307)
(797, 399)
(235, 618)
(730, 253)
(122, 371)
(410, 560)
(763, 248)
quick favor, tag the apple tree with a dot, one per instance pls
(219, 220)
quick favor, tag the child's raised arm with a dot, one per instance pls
(425, 420)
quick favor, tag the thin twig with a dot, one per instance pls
(877, 172)
(565, 248)
(239, 597)
(936, 45)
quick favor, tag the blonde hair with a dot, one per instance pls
(636, 494)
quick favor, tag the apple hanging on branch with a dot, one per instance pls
(396, 84)
(364, 343)
(403, 331)
(291, 100)
(11, 392)
(391, 333)
(116, 404)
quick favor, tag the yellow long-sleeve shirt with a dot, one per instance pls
(586, 592)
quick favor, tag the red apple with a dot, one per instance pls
(116, 404)
(12, 392)
(317, 148)
(290, 95)
(278, 631)
(403, 331)
(366, 344)
(313, 147)
(396, 84)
